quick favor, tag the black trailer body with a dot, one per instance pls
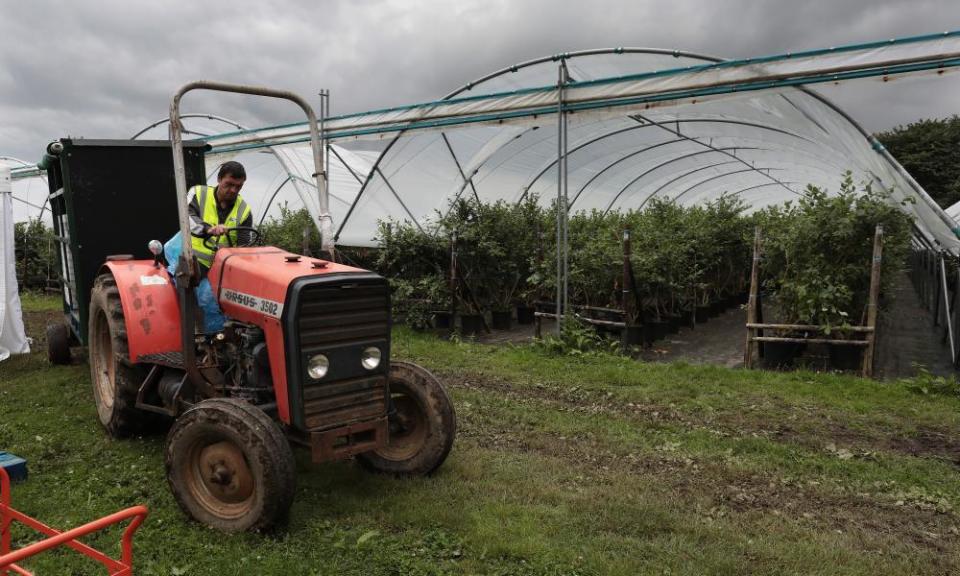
(110, 197)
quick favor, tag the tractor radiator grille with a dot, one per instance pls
(338, 403)
(340, 320)
(343, 314)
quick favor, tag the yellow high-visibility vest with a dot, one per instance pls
(207, 201)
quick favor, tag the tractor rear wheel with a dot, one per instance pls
(230, 466)
(58, 343)
(116, 381)
(422, 425)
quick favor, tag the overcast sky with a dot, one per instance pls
(106, 68)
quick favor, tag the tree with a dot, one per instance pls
(930, 151)
(35, 254)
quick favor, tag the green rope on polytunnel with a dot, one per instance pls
(699, 67)
(601, 103)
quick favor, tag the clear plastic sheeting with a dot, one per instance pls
(269, 183)
(764, 147)
(13, 338)
(636, 89)
(346, 172)
(29, 195)
(954, 213)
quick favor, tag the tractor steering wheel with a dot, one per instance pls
(210, 244)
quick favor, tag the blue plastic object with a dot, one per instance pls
(213, 318)
(15, 466)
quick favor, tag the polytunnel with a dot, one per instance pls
(611, 129)
(634, 124)
(763, 148)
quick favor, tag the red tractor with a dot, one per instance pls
(303, 358)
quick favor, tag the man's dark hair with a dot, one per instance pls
(232, 168)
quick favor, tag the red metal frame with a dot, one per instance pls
(55, 538)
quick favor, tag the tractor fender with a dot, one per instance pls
(150, 311)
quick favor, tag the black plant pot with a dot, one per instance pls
(743, 298)
(846, 357)
(654, 330)
(649, 334)
(632, 335)
(525, 315)
(471, 324)
(441, 320)
(660, 329)
(716, 308)
(702, 314)
(686, 318)
(501, 319)
(673, 324)
(778, 355)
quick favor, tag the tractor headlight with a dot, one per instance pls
(370, 357)
(317, 366)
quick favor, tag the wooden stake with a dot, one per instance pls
(956, 304)
(453, 282)
(629, 313)
(628, 303)
(867, 370)
(752, 301)
(935, 268)
(947, 311)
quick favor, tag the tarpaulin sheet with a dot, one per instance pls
(13, 338)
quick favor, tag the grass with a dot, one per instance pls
(595, 465)
(38, 302)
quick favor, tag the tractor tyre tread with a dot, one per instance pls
(442, 426)
(265, 448)
(123, 419)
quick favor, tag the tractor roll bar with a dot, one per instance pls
(180, 177)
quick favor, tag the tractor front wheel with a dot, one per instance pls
(115, 380)
(230, 466)
(422, 424)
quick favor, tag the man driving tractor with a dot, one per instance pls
(214, 209)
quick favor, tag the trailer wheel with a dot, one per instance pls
(115, 381)
(230, 466)
(58, 343)
(422, 425)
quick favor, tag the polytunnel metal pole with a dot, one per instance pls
(566, 209)
(562, 243)
(323, 188)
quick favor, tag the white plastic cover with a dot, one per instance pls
(954, 212)
(13, 338)
(346, 174)
(641, 124)
(635, 89)
(765, 147)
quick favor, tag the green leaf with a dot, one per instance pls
(367, 536)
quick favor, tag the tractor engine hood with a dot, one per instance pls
(252, 283)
